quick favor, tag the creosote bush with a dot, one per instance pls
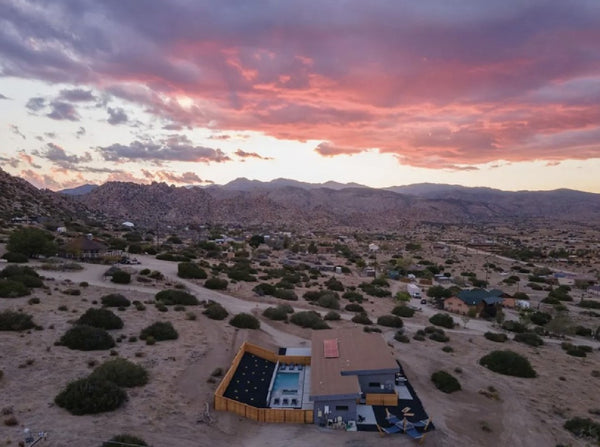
(127, 440)
(12, 289)
(115, 300)
(275, 313)
(332, 315)
(87, 338)
(361, 318)
(445, 382)
(101, 318)
(390, 321)
(495, 336)
(245, 321)
(121, 372)
(90, 396)
(354, 307)
(215, 311)
(443, 320)
(216, 283)
(529, 338)
(159, 331)
(584, 428)
(514, 326)
(15, 321)
(190, 270)
(508, 363)
(121, 277)
(173, 296)
(403, 311)
(309, 319)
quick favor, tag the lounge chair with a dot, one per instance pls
(294, 402)
(276, 401)
(300, 367)
(286, 402)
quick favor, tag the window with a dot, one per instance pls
(374, 385)
(341, 408)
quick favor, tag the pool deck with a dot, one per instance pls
(279, 399)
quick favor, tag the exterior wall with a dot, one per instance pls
(382, 379)
(334, 409)
(509, 302)
(455, 305)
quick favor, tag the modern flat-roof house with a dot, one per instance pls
(346, 365)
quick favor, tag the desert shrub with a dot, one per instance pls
(245, 321)
(583, 331)
(173, 296)
(390, 321)
(445, 382)
(361, 318)
(90, 396)
(576, 350)
(443, 320)
(419, 337)
(374, 290)
(369, 329)
(401, 337)
(17, 271)
(275, 313)
(439, 336)
(329, 301)
(17, 258)
(72, 292)
(121, 277)
(309, 319)
(403, 311)
(161, 307)
(215, 311)
(216, 283)
(124, 440)
(589, 304)
(190, 270)
(34, 300)
(334, 284)
(172, 257)
(447, 349)
(514, 326)
(497, 337)
(508, 363)
(101, 318)
(354, 307)
(529, 338)
(540, 318)
(87, 338)
(115, 300)
(584, 428)
(12, 289)
(121, 372)
(353, 297)
(332, 315)
(285, 294)
(15, 321)
(84, 284)
(161, 330)
(263, 289)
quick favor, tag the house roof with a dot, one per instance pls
(475, 296)
(86, 244)
(358, 351)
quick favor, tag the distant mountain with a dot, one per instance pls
(79, 190)
(243, 184)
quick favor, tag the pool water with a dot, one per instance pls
(286, 381)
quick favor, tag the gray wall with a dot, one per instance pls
(347, 415)
(364, 381)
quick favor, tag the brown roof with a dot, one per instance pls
(358, 351)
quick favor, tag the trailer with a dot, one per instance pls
(414, 290)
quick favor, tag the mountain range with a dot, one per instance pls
(292, 204)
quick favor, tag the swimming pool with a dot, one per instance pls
(286, 382)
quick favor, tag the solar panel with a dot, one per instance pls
(330, 348)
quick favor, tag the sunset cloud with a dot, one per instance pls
(243, 154)
(153, 152)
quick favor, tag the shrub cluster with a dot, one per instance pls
(436, 334)
(403, 311)
(87, 338)
(16, 258)
(190, 270)
(443, 320)
(374, 290)
(245, 321)
(332, 315)
(121, 372)
(172, 257)
(584, 428)
(171, 297)
(334, 284)
(401, 337)
(215, 311)
(15, 321)
(508, 363)
(445, 382)
(216, 283)
(279, 313)
(115, 300)
(576, 350)
(159, 331)
(540, 318)
(121, 277)
(514, 326)
(354, 307)
(353, 296)
(390, 321)
(100, 318)
(361, 318)
(496, 336)
(529, 338)
(309, 319)
(90, 396)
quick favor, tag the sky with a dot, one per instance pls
(502, 94)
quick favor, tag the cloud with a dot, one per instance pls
(15, 129)
(63, 111)
(327, 149)
(57, 155)
(160, 152)
(3, 96)
(76, 95)
(243, 155)
(36, 104)
(186, 178)
(116, 116)
(80, 132)
(12, 161)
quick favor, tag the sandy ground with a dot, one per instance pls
(166, 412)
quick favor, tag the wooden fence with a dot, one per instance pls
(223, 403)
(387, 399)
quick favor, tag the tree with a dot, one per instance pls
(312, 248)
(256, 240)
(31, 242)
